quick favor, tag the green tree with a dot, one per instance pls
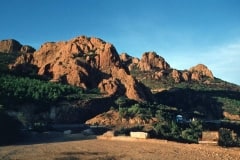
(194, 132)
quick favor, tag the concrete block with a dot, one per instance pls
(142, 135)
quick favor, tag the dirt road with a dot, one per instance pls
(100, 149)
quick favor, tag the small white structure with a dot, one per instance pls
(142, 135)
(179, 118)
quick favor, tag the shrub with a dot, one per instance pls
(227, 138)
(168, 130)
(162, 130)
(171, 130)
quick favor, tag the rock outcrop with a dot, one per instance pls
(196, 73)
(176, 75)
(129, 61)
(150, 61)
(13, 46)
(155, 67)
(85, 62)
(200, 71)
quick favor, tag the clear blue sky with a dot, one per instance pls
(184, 32)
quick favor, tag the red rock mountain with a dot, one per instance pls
(13, 46)
(89, 62)
(85, 62)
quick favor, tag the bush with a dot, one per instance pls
(162, 130)
(227, 138)
(179, 132)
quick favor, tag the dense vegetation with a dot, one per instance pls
(14, 89)
(167, 127)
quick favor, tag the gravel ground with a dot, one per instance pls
(80, 147)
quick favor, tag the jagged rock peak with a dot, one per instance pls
(13, 46)
(129, 61)
(125, 57)
(151, 60)
(199, 71)
(95, 50)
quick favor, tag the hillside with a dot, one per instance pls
(196, 92)
(74, 81)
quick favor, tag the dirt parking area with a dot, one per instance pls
(79, 147)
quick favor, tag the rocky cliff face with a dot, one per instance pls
(13, 46)
(85, 62)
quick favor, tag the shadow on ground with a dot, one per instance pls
(51, 137)
(86, 155)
